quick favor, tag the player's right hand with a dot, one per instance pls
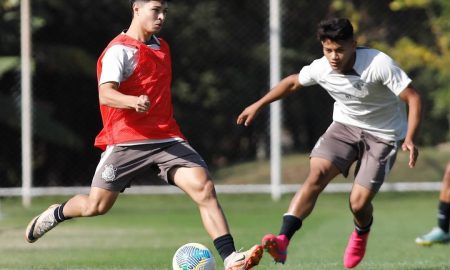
(247, 116)
(142, 104)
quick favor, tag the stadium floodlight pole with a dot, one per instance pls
(275, 107)
(26, 103)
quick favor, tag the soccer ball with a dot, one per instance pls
(193, 256)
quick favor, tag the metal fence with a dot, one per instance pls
(221, 64)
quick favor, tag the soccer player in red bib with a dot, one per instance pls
(369, 121)
(139, 132)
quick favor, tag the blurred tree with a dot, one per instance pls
(220, 61)
(46, 127)
(220, 65)
(425, 52)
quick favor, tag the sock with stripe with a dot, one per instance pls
(363, 230)
(59, 216)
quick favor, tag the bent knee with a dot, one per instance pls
(358, 206)
(95, 210)
(208, 191)
(205, 193)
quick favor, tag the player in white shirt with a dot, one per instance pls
(369, 121)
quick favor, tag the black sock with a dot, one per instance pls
(291, 224)
(59, 216)
(224, 245)
(363, 230)
(444, 216)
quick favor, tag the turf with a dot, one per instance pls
(143, 232)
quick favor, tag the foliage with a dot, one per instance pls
(220, 65)
(435, 58)
(397, 5)
(7, 63)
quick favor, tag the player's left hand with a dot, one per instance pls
(413, 152)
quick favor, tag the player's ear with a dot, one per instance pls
(135, 8)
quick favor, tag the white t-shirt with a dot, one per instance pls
(367, 97)
(119, 61)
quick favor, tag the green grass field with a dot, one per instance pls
(143, 232)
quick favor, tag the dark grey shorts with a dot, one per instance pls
(343, 145)
(119, 165)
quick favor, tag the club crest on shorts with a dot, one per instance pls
(109, 173)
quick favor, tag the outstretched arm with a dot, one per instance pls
(111, 97)
(282, 89)
(412, 98)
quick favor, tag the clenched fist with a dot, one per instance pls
(142, 104)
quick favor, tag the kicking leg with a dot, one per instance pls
(321, 173)
(98, 202)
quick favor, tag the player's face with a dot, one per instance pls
(340, 54)
(151, 15)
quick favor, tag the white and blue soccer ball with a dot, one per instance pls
(193, 256)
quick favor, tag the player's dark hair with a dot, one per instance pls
(134, 1)
(335, 29)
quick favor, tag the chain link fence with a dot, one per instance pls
(220, 52)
